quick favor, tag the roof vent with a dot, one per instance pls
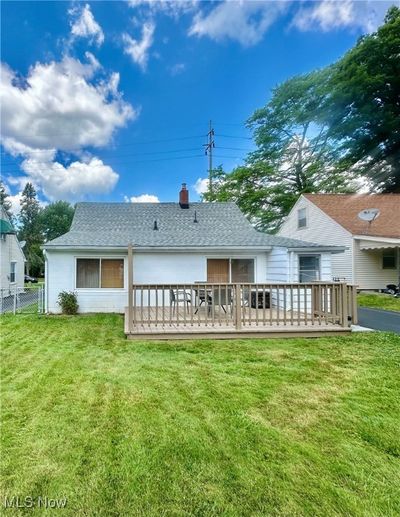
(195, 217)
(155, 227)
(184, 197)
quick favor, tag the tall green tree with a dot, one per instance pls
(5, 202)
(30, 230)
(363, 105)
(56, 219)
(294, 155)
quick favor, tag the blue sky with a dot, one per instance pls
(111, 100)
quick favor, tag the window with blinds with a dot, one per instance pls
(223, 271)
(99, 273)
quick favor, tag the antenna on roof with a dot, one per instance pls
(195, 217)
(369, 215)
(155, 227)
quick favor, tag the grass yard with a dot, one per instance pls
(379, 301)
(233, 428)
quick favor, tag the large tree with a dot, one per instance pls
(56, 219)
(294, 155)
(363, 105)
(30, 230)
(5, 202)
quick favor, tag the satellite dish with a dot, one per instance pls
(369, 215)
(22, 243)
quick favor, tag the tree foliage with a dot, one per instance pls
(321, 131)
(30, 230)
(5, 202)
(56, 219)
(294, 155)
(362, 105)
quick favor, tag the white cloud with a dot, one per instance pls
(60, 107)
(72, 182)
(143, 198)
(15, 201)
(84, 25)
(245, 21)
(138, 50)
(173, 8)
(201, 185)
(331, 14)
(177, 69)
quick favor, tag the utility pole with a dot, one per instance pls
(208, 150)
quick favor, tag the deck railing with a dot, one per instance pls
(241, 305)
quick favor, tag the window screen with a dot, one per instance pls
(95, 273)
(389, 259)
(309, 268)
(301, 218)
(13, 266)
(112, 273)
(87, 273)
(242, 270)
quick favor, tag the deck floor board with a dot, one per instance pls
(255, 322)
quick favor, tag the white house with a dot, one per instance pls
(173, 243)
(371, 259)
(12, 259)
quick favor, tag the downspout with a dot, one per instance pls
(46, 284)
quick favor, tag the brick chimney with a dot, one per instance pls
(184, 197)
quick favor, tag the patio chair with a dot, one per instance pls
(204, 297)
(222, 296)
(177, 296)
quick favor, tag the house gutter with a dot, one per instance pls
(331, 249)
(158, 248)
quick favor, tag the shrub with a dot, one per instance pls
(68, 302)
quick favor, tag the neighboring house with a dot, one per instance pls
(12, 259)
(174, 243)
(372, 257)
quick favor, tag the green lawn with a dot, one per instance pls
(230, 428)
(379, 301)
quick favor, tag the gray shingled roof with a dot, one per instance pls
(118, 224)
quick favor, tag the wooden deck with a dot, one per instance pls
(263, 323)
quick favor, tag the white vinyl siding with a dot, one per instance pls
(278, 265)
(370, 273)
(10, 251)
(152, 268)
(321, 229)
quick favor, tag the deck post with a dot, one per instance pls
(354, 304)
(345, 310)
(238, 307)
(130, 287)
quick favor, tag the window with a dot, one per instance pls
(301, 218)
(230, 270)
(99, 273)
(242, 270)
(389, 259)
(309, 268)
(13, 268)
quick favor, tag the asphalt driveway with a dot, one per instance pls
(379, 320)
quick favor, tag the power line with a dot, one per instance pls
(233, 136)
(119, 145)
(127, 163)
(129, 154)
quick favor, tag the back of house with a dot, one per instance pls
(173, 243)
(371, 259)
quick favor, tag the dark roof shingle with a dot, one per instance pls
(118, 224)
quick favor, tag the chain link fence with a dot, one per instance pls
(22, 300)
